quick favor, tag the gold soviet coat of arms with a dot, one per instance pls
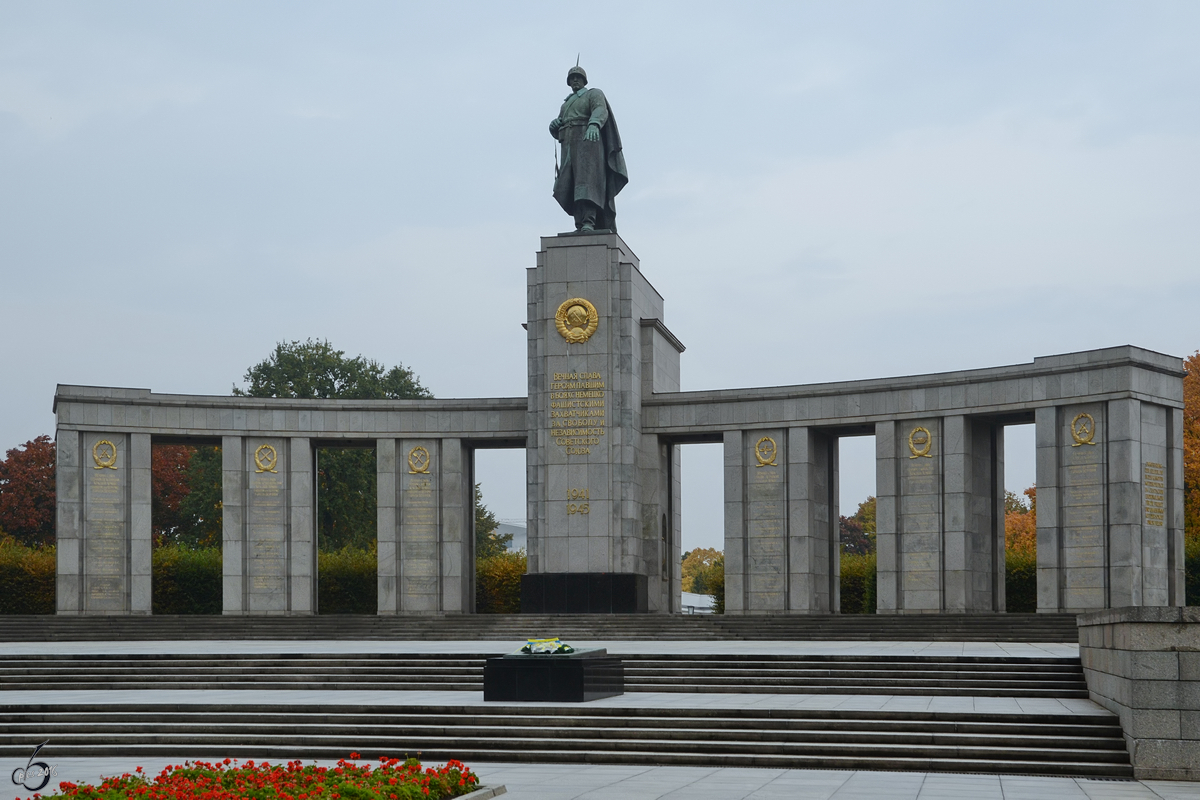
(576, 320)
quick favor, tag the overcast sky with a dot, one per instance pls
(821, 191)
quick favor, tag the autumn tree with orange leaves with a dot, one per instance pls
(1191, 446)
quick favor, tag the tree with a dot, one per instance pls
(1020, 523)
(185, 502)
(168, 486)
(346, 478)
(697, 570)
(27, 499)
(313, 368)
(857, 533)
(488, 543)
(200, 511)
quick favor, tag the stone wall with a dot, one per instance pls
(1143, 664)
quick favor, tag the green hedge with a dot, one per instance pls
(498, 583)
(858, 583)
(347, 581)
(1020, 582)
(27, 578)
(185, 581)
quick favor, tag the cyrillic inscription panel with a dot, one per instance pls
(766, 521)
(919, 451)
(267, 524)
(419, 552)
(1081, 437)
(106, 523)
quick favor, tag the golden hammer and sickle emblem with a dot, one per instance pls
(265, 458)
(1083, 429)
(104, 453)
(576, 320)
(765, 451)
(418, 461)
(919, 442)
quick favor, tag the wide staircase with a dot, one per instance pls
(1038, 744)
(517, 627)
(773, 674)
(1024, 730)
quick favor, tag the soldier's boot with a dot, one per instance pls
(585, 215)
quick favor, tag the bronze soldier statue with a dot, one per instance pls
(593, 166)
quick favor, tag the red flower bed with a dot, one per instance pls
(392, 779)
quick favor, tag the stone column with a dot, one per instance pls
(909, 524)
(1139, 535)
(764, 459)
(68, 489)
(420, 560)
(104, 518)
(735, 528)
(457, 517)
(426, 504)
(939, 520)
(140, 529)
(1049, 535)
(813, 537)
(1176, 579)
(302, 528)
(974, 517)
(1072, 511)
(269, 538)
(386, 525)
(887, 500)
(233, 525)
(1109, 494)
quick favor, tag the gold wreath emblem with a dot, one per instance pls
(1083, 429)
(265, 458)
(765, 451)
(104, 453)
(919, 442)
(418, 461)
(576, 320)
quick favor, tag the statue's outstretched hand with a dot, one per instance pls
(593, 133)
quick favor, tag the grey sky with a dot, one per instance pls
(820, 191)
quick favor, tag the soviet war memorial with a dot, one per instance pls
(608, 564)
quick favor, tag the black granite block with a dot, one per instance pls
(584, 593)
(575, 678)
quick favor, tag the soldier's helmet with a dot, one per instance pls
(577, 70)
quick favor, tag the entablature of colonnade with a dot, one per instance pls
(1011, 393)
(480, 420)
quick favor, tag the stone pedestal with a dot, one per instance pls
(601, 495)
(570, 678)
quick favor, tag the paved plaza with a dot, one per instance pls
(600, 782)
